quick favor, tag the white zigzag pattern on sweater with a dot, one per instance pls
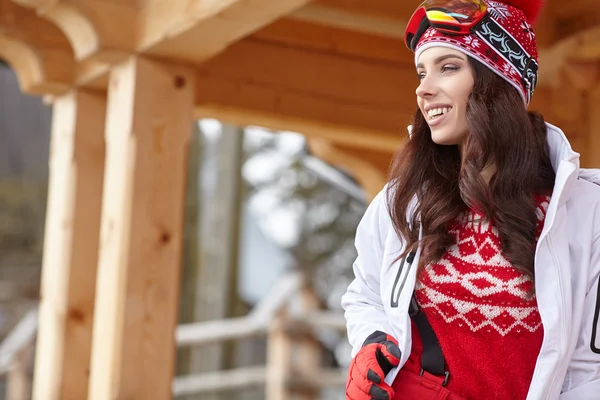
(519, 314)
(480, 283)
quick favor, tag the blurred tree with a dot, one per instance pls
(322, 217)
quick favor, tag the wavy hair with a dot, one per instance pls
(433, 184)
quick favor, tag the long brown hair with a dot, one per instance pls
(433, 184)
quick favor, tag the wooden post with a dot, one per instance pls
(148, 128)
(309, 357)
(19, 377)
(70, 247)
(279, 360)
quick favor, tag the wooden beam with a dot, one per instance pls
(572, 8)
(70, 247)
(335, 41)
(312, 92)
(98, 29)
(584, 76)
(279, 360)
(178, 30)
(149, 122)
(370, 177)
(37, 51)
(400, 10)
(227, 380)
(341, 18)
(582, 47)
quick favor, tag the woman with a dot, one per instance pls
(478, 265)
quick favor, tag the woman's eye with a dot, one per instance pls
(420, 77)
(450, 68)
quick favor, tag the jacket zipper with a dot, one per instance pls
(395, 297)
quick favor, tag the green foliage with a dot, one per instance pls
(22, 214)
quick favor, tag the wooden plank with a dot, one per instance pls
(279, 360)
(210, 332)
(341, 18)
(36, 49)
(352, 136)
(99, 29)
(572, 8)
(178, 30)
(336, 41)
(234, 379)
(149, 123)
(19, 377)
(391, 9)
(309, 349)
(360, 82)
(70, 247)
(289, 84)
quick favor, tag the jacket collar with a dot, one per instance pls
(561, 151)
(560, 148)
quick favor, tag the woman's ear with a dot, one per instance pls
(409, 129)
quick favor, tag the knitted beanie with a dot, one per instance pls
(505, 42)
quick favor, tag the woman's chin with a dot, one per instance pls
(444, 138)
(446, 135)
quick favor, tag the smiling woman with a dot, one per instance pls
(446, 80)
(478, 266)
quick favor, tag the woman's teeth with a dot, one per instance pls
(436, 112)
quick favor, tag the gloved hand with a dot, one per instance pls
(378, 355)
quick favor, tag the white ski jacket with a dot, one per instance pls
(567, 271)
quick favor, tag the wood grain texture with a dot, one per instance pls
(149, 122)
(70, 247)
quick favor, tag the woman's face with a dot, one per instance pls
(446, 82)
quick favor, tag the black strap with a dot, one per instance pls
(433, 359)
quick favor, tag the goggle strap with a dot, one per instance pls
(423, 26)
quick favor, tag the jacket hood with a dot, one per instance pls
(561, 150)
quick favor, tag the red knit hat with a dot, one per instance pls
(504, 41)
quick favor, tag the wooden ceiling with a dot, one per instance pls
(323, 68)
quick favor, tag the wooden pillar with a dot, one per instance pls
(309, 349)
(593, 106)
(70, 247)
(148, 128)
(279, 359)
(18, 382)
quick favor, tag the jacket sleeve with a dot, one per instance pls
(362, 304)
(582, 381)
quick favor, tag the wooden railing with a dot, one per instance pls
(288, 316)
(290, 319)
(16, 356)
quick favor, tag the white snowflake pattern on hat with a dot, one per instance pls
(471, 41)
(498, 10)
(528, 29)
(509, 69)
(430, 32)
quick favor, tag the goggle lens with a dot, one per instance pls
(450, 16)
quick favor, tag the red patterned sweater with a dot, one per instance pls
(489, 331)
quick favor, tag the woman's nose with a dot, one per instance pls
(426, 88)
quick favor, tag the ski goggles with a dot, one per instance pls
(457, 17)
